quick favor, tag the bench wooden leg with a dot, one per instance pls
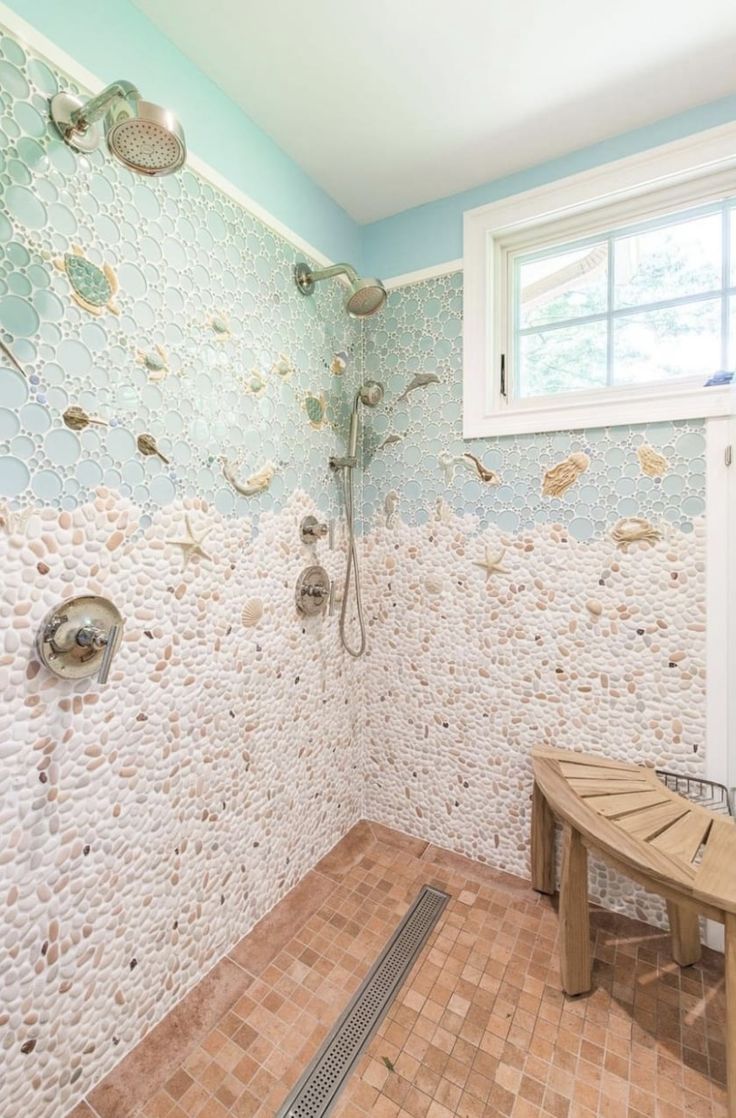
(685, 932)
(730, 951)
(543, 843)
(575, 960)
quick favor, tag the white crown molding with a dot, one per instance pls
(420, 274)
(40, 44)
(692, 156)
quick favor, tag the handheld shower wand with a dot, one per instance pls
(370, 395)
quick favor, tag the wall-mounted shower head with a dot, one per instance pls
(366, 296)
(370, 395)
(144, 137)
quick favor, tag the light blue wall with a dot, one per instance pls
(115, 40)
(122, 42)
(433, 233)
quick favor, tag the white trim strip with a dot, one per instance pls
(704, 162)
(59, 58)
(423, 274)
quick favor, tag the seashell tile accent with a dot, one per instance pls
(652, 463)
(561, 477)
(634, 529)
(252, 613)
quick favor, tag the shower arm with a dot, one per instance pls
(94, 109)
(334, 270)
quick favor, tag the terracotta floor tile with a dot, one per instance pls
(156, 1059)
(479, 1029)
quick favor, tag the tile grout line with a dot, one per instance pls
(88, 1104)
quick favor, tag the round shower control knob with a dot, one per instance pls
(311, 530)
(312, 591)
(80, 637)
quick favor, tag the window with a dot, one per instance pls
(613, 309)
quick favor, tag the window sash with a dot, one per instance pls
(613, 233)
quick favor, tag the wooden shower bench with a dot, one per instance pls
(669, 845)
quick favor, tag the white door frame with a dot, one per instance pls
(720, 583)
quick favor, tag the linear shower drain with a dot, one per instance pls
(317, 1090)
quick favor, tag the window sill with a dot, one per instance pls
(575, 415)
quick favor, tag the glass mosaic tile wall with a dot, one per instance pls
(175, 389)
(416, 447)
(165, 309)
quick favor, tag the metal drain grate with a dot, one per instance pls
(317, 1090)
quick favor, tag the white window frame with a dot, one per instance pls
(685, 173)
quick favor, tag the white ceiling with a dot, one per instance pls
(391, 103)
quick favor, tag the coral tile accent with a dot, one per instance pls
(479, 1029)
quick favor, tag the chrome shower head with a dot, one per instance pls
(366, 296)
(370, 395)
(144, 137)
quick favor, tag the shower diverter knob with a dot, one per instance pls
(312, 591)
(80, 637)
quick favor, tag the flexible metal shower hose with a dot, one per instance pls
(352, 565)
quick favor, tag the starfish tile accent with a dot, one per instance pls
(192, 545)
(492, 564)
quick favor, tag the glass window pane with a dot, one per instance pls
(732, 223)
(669, 262)
(665, 344)
(568, 285)
(568, 359)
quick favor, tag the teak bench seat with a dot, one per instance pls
(669, 845)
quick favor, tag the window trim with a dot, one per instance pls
(695, 170)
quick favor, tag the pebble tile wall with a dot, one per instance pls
(503, 617)
(147, 824)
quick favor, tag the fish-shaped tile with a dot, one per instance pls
(256, 483)
(420, 380)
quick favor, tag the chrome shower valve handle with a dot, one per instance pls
(80, 638)
(311, 530)
(312, 591)
(110, 644)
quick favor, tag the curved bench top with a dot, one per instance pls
(626, 813)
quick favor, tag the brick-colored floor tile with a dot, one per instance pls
(480, 1028)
